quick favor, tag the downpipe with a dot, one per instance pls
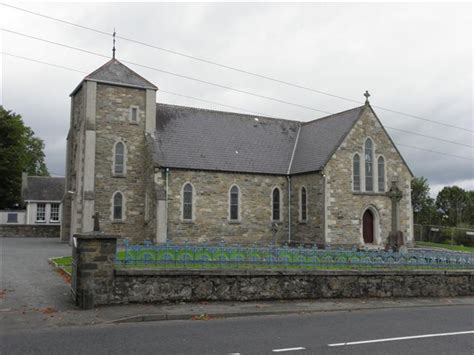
(289, 208)
(166, 202)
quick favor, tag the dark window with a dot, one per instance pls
(118, 206)
(54, 215)
(12, 218)
(356, 172)
(119, 158)
(41, 212)
(303, 204)
(369, 166)
(234, 203)
(276, 204)
(188, 202)
(381, 171)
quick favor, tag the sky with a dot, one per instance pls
(413, 58)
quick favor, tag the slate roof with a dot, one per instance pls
(202, 139)
(320, 138)
(43, 188)
(193, 138)
(114, 72)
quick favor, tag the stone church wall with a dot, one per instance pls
(345, 207)
(113, 125)
(211, 194)
(310, 231)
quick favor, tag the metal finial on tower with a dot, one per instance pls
(113, 48)
(367, 95)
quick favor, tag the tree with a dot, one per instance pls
(20, 151)
(424, 210)
(452, 201)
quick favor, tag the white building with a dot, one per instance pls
(42, 198)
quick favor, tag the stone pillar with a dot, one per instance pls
(93, 269)
(150, 112)
(88, 199)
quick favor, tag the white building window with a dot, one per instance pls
(234, 202)
(369, 165)
(356, 172)
(119, 159)
(118, 206)
(276, 215)
(54, 214)
(188, 202)
(133, 114)
(303, 205)
(41, 212)
(381, 174)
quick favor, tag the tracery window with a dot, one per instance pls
(369, 165)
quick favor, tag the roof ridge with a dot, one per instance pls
(229, 112)
(332, 115)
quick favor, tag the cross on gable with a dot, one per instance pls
(367, 95)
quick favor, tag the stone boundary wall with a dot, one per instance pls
(29, 231)
(96, 281)
(143, 286)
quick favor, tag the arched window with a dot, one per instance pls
(276, 204)
(118, 206)
(119, 158)
(356, 172)
(234, 203)
(188, 202)
(303, 205)
(369, 165)
(381, 173)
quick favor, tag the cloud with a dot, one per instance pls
(414, 58)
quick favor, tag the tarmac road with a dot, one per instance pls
(288, 334)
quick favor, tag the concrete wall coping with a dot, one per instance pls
(95, 235)
(196, 272)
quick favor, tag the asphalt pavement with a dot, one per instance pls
(443, 330)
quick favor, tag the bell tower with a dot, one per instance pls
(112, 111)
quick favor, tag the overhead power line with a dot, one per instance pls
(207, 61)
(431, 137)
(218, 103)
(434, 151)
(170, 73)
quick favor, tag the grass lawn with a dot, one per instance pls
(63, 262)
(444, 246)
(66, 261)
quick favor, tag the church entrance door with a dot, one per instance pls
(368, 227)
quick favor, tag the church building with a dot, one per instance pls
(168, 173)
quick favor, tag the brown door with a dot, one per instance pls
(368, 227)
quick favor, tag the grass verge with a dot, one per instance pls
(64, 263)
(444, 246)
